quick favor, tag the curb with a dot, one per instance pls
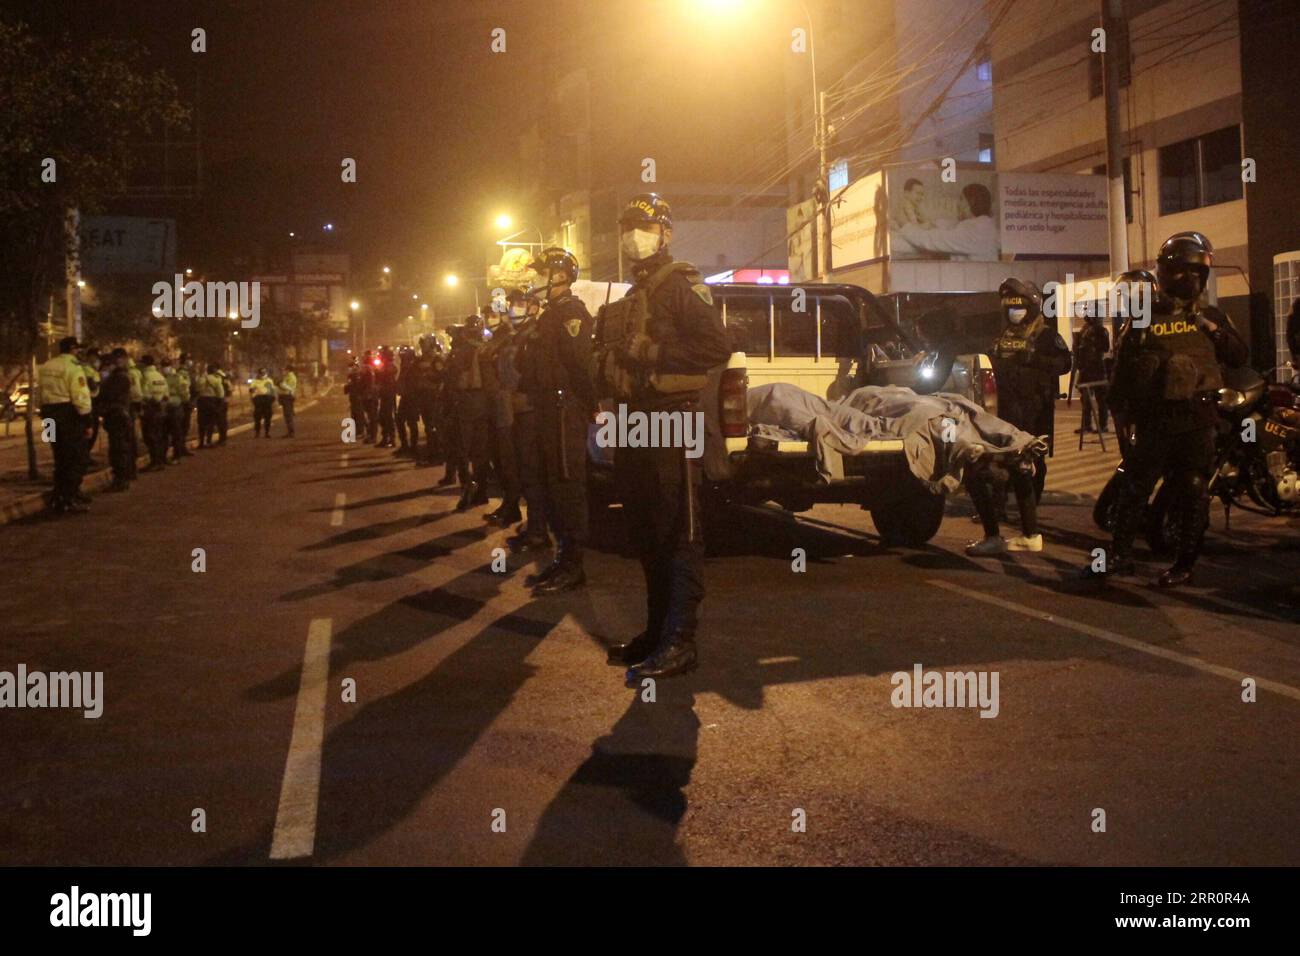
(35, 503)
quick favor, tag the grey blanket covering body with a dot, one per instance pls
(941, 433)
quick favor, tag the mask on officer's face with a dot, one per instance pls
(1184, 286)
(517, 312)
(1016, 314)
(640, 243)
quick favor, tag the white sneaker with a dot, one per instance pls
(987, 547)
(1021, 543)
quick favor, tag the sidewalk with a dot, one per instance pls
(1072, 473)
(20, 496)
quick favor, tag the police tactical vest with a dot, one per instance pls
(1176, 359)
(626, 318)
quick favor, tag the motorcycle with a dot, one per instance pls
(1257, 458)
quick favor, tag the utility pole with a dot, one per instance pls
(1112, 22)
(824, 183)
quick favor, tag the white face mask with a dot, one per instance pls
(1016, 316)
(517, 311)
(640, 243)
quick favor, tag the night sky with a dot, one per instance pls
(412, 91)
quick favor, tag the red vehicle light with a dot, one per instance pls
(733, 393)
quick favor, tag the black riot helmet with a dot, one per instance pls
(1140, 289)
(648, 209)
(1022, 302)
(1183, 266)
(550, 261)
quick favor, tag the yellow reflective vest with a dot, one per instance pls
(63, 379)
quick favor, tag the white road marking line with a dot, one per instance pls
(336, 518)
(295, 820)
(1286, 690)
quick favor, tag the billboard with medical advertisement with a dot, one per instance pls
(935, 213)
(1054, 214)
(924, 212)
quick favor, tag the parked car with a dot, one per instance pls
(15, 403)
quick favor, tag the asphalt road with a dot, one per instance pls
(475, 705)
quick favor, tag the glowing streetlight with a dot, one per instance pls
(354, 305)
(233, 315)
(81, 283)
(504, 221)
(387, 270)
(189, 272)
(452, 279)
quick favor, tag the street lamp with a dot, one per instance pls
(504, 221)
(355, 306)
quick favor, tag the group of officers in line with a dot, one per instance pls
(152, 401)
(515, 393)
(513, 397)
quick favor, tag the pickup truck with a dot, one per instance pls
(827, 339)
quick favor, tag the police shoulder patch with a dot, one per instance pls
(703, 292)
(573, 327)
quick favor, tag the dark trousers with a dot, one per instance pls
(154, 426)
(653, 487)
(408, 422)
(387, 407)
(562, 438)
(528, 454)
(135, 409)
(357, 409)
(1184, 457)
(371, 405)
(506, 464)
(223, 420)
(187, 414)
(175, 424)
(209, 413)
(121, 443)
(263, 410)
(988, 489)
(286, 409)
(475, 432)
(449, 430)
(427, 408)
(69, 450)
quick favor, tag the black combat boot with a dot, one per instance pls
(675, 655)
(467, 496)
(634, 651)
(526, 543)
(568, 576)
(1191, 532)
(504, 516)
(449, 478)
(1119, 556)
(546, 573)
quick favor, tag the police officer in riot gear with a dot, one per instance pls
(534, 535)
(1027, 359)
(470, 401)
(653, 351)
(503, 383)
(1163, 394)
(554, 374)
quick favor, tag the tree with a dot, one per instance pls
(69, 127)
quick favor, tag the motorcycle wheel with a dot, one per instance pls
(1162, 521)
